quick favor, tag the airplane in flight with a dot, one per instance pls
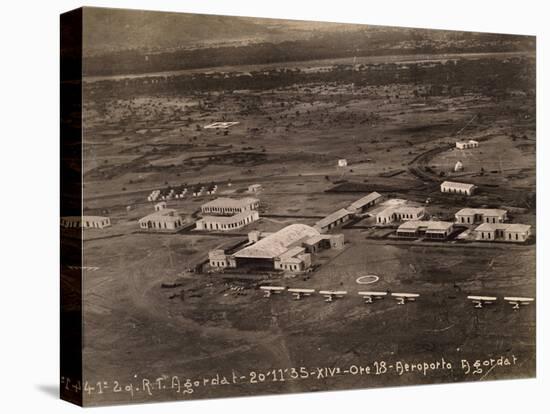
(405, 297)
(270, 290)
(298, 293)
(370, 296)
(480, 301)
(518, 301)
(330, 295)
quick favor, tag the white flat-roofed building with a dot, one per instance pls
(467, 144)
(385, 216)
(228, 206)
(409, 213)
(164, 220)
(437, 230)
(227, 223)
(457, 188)
(402, 213)
(508, 232)
(333, 220)
(342, 162)
(85, 222)
(481, 215)
(517, 232)
(364, 203)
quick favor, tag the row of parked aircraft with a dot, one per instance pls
(516, 302)
(330, 295)
(371, 296)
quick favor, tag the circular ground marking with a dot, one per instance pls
(367, 279)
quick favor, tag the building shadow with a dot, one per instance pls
(49, 389)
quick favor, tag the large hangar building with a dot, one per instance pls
(289, 249)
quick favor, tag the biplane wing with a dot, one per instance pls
(330, 295)
(518, 301)
(298, 293)
(270, 290)
(480, 301)
(405, 297)
(372, 295)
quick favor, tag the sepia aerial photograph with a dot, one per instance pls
(281, 206)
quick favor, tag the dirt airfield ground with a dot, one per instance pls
(289, 140)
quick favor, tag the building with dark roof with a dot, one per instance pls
(437, 230)
(359, 206)
(335, 219)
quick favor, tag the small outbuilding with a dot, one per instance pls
(160, 206)
(217, 258)
(254, 188)
(459, 166)
(467, 144)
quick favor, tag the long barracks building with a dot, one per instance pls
(224, 206)
(85, 222)
(226, 214)
(226, 223)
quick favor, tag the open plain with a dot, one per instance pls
(154, 309)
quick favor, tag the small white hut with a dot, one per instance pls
(458, 166)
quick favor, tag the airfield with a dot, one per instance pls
(149, 314)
